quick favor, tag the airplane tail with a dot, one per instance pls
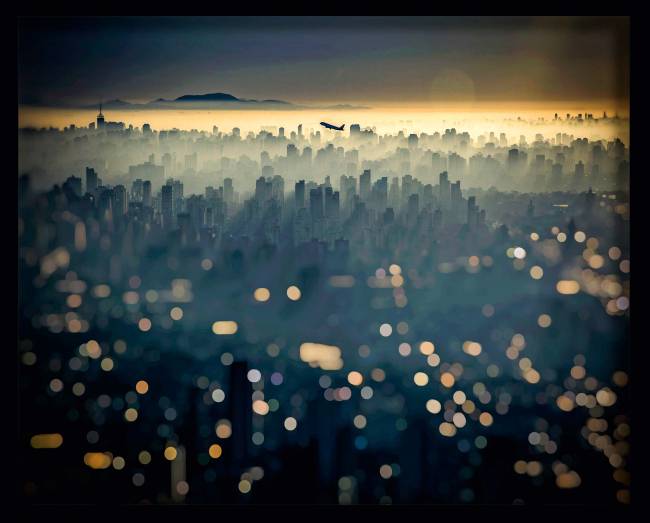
(342, 127)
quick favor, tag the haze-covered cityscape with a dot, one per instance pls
(359, 306)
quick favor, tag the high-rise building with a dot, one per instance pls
(91, 180)
(146, 193)
(263, 189)
(331, 203)
(379, 195)
(277, 189)
(299, 194)
(472, 213)
(307, 157)
(455, 193)
(316, 203)
(438, 163)
(105, 202)
(177, 195)
(292, 151)
(191, 162)
(457, 165)
(167, 206)
(136, 190)
(121, 202)
(413, 208)
(228, 191)
(168, 163)
(513, 160)
(444, 189)
(100, 118)
(364, 185)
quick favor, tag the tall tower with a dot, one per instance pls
(100, 118)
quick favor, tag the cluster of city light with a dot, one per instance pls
(327, 357)
(598, 273)
(224, 327)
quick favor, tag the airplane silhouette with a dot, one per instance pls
(333, 127)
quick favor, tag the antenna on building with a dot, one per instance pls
(100, 117)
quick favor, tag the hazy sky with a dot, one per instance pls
(328, 59)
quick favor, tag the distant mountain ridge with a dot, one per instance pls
(211, 99)
(204, 101)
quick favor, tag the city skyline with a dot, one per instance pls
(260, 328)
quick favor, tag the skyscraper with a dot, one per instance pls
(228, 191)
(331, 203)
(299, 194)
(438, 163)
(262, 189)
(364, 185)
(413, 209)
(444, 188)
(146, 193)
(455, 192)
(121, 202)
(100, 118)
(472, 213)
(177, 197)
(167, 206)
(91, 180)
(316, 203)
(191, 162)
(136, 190)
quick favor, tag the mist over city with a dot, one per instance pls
(379, 268)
